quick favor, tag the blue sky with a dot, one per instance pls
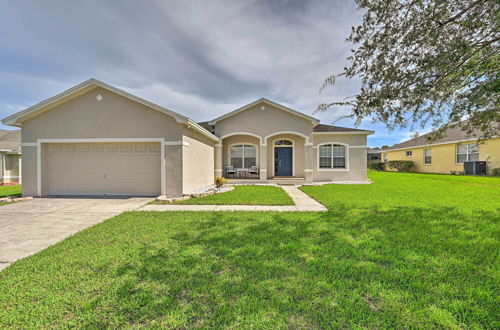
(199, 58)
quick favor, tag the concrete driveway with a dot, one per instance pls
(30, 226)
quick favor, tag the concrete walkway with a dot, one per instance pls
(303, 203)
(31, 226)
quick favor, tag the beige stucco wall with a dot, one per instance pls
(113, 117)
(444, 156)
(198, 162)
(356, 148)
(263, 122)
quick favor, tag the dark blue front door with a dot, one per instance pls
(283, 161)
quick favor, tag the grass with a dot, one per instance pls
(408, 251)
(243, 195)
(10, 191)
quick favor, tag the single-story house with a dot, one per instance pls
(10, 156)
(446, 154)
(95, 139)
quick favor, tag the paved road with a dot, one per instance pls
(30, 226)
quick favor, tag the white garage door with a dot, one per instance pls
(103, 169)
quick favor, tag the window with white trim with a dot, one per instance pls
(427, 156)
(243, 155)
(332, 156)
(386, 158)
(283, 143)
(409, 153)
(467, 153)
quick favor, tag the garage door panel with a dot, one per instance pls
(104, 169)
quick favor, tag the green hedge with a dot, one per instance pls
(401, 165)
(495, 171)
(379, 166)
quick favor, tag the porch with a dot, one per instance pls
(282, 158)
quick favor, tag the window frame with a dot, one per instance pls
(425, 157)
(410, 152)
(467, 152)
(331, 169)
(243, 154)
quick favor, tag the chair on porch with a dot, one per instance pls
(230, 171)
(253, 171)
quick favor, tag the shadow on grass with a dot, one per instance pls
(401, 267)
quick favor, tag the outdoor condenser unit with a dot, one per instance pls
(475, 168)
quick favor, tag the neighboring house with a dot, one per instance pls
(10, 156)
(94, 139)
(374, 155)
(447, 154)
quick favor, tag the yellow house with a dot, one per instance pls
(447, 154)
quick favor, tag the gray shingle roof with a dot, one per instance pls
(317, 128)
(331, 128)
(11, 140)
(450, 135)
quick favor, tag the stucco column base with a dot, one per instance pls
(308, 176)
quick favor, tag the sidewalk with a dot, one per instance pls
(303, 203)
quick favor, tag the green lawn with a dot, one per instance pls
(409, 250)
(9, 191)
(244, 195)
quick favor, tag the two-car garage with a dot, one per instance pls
(105, 169)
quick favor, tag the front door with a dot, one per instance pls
(283, 161)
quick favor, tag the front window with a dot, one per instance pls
(467, 153)
(409, 153)
(243, 156)
(332, 156)
(427, 156)
(386, 158)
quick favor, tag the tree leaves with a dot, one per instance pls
(426, 60)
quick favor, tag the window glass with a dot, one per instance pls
(332, 156)
(473, 152)
(250, 156)
(237, 156)
(283, 143)
(409, 153)
(243, 156)
(325, 156)
(427, 156)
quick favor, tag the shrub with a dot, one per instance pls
(220, 181)
(401, 165)
(379, 166)
(495, 171)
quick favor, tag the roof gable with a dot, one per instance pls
(313, 120)
(80, 89)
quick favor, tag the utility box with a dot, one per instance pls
(475, 168)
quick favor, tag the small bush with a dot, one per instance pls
(379, 166)
(495, 171)
(220, 181)
(401, 165)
